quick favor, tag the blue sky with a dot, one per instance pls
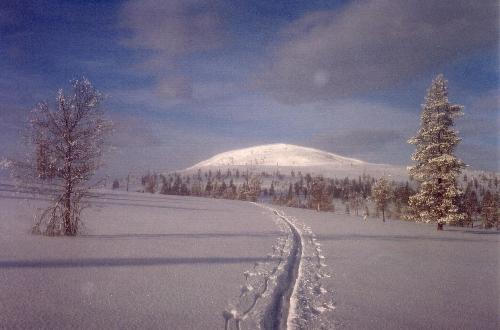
(187, 79)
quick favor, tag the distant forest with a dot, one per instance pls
(479, 201)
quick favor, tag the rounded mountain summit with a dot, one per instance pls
(283, 156)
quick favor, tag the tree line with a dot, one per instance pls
(364, 195)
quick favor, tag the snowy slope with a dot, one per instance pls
(278, 154)
(287, 157)
(145, 261)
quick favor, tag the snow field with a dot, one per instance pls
(192, 263)
(143, 261)
(401, 275)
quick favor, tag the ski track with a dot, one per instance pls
(285, 292)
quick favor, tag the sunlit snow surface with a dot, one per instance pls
(144, 261)
(277, 154)
(401, 275)
(288, 157)
(171, 262)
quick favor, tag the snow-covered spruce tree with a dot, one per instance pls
(436, 168)
(254, 188)
(489, 210)
(381, 194)
(67, 144)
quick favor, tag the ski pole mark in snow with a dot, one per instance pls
(285, 292)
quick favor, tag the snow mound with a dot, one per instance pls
(278, 154)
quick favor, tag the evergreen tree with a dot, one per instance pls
(489, 210)
(436, 168)
(184, 191)
(243, 191)
(355, 201)
(151, 183)
(470, 205)
(401, 196)
(289, 196)
(271, 190)
(254, 188)
(297, 189)
(222, 188)
(177, 185)
(196, 189)
(208, 187)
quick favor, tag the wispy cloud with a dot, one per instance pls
(132, 131)
(171, 28)
(175, 87)
(170, 31)
(380, 145)
(374, 44)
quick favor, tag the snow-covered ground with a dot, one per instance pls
(400, 275)
(155, 261)
(145, 261)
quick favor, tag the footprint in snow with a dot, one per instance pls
(318, 290)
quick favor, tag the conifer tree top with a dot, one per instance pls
(437, 94)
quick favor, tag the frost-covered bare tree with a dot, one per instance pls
(381, 194)
(320, 199)
(250, 189)
(66, 145)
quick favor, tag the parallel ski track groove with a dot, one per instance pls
(282, 310)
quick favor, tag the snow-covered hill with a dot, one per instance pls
(287, 157)
(278, 154)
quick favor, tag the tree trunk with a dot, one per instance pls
(68, 226)
(383, 215)
(68, 230)
(440, 226)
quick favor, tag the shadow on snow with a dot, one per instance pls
(125, 262)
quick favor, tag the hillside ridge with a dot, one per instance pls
(277, 154)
